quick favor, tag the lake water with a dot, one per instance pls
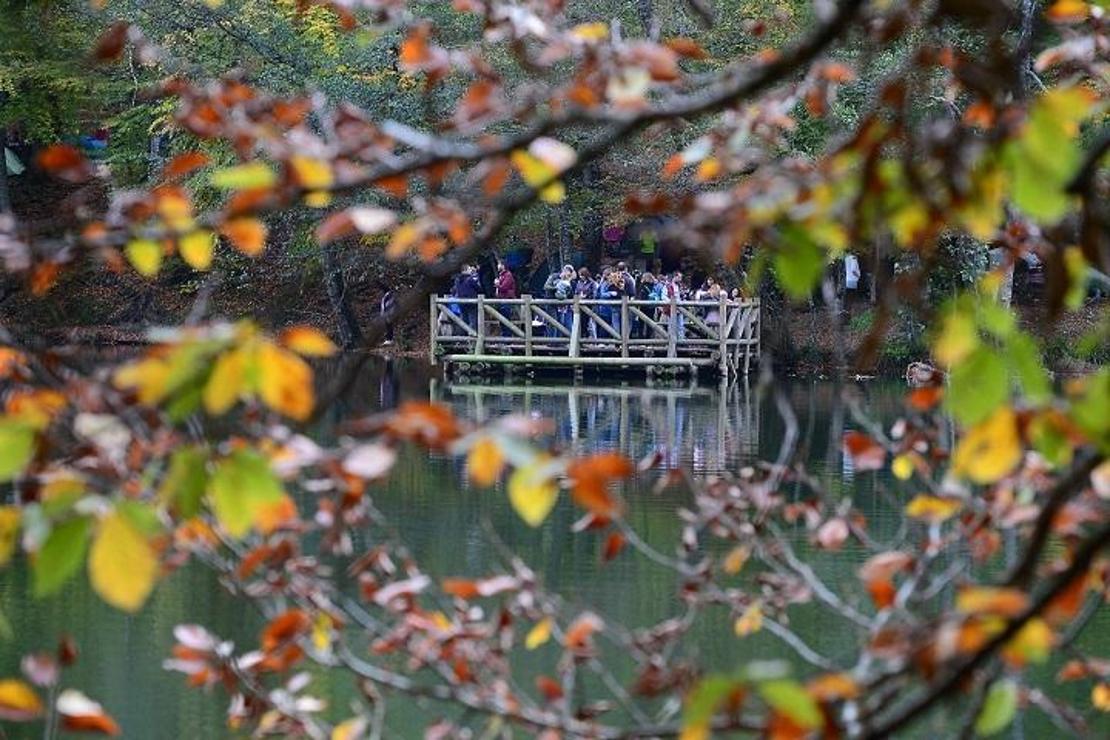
(705, 429)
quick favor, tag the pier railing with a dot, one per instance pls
(721, 335)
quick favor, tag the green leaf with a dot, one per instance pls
(1025, 359)
(1092, 411)
(799, 262)
(17, 446)
(702, 702)
(998, 709)
(61, 555)
(789, 698)
(242, 484)
(185, 481)
(249, 176)
(977, 386)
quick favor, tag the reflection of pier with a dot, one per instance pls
(707, 429)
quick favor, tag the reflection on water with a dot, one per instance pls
(450, 528)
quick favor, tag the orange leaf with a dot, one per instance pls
(578, 635)
(285, 627)
(686, 47)
(924, 399)
(395, 185)
(65, 162)
(184, 164)
(485, 462)
(549, 688)
(248, 235)
(589, 477)
(308, 341)
(460, 588)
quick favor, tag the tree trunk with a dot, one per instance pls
(350, 333)
(592, 222)
(646, 10)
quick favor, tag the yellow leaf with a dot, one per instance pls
(695, 731)
(318, 199)
(18, 700)
(145, 256)
(932, 508)
(349, 729)
(1032, 644)
(539, 634)
(149, 377)
(750, 622)
(249, 176)
(122, 564)
(532, 494)
(554, 193)
(1100, 696)
(485, 461)
(308, 341)
(735, 559)
(534, 171)
(958, 338)
(271, 515)
(285, 382)
(312, 173)
(175, 210)
(1001, 602)
(590, 31)
(990, 449)
(227, 382)
(37, 408)
(9, 531)
(197, 248)
(902, 467)
(321, 632)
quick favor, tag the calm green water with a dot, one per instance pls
(445, 522)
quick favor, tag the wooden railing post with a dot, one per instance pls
(575, 328)
(722, 337)
(480, 343)
(527, 326)
(625, 329)
(433, 327)
(672, 328)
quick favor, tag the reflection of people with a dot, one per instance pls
(387, 388)
(851, 272)
(388, 303)
(467, 286)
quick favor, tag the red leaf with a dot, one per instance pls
(110, 45)
(549, 688)
(614, 543)
(865, 452)
(65, 162)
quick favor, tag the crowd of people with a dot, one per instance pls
(613, 283)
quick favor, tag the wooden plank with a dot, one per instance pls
(457, 321)
(575, 329)
(613, 333)
(480, 343)
(672, 329)
(722, 336)
(693, 317)
(624, 326)
(550, 320)
(504, 321)
(655, 325)
(528, 326)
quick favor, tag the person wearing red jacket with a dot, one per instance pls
(504, 286)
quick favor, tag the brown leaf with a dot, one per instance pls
(614, 543)
(285, 627)
(65, 162)
(110, 45)
(589, 478)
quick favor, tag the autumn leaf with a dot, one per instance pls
(308, 341)
(242, 485)
(957, 339)
(539, 634)
(79, 713)
(227, 383)
(990, 450)
(865, 452)
(250, 176)
(734, 561)
(197, 249)
(532, 493)
(10, 517)
(145, 256)
(932, 509)
(579, 635)
(484, 461)
(285, 382)
(17, 446)
(123, 566)
(1001, 602)
(1100, 696)
(312, 173)
(18, 701)
(248, 235)
(750, 621)
(590, 477)
(184, 164)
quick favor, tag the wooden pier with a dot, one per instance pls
(475, 335)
